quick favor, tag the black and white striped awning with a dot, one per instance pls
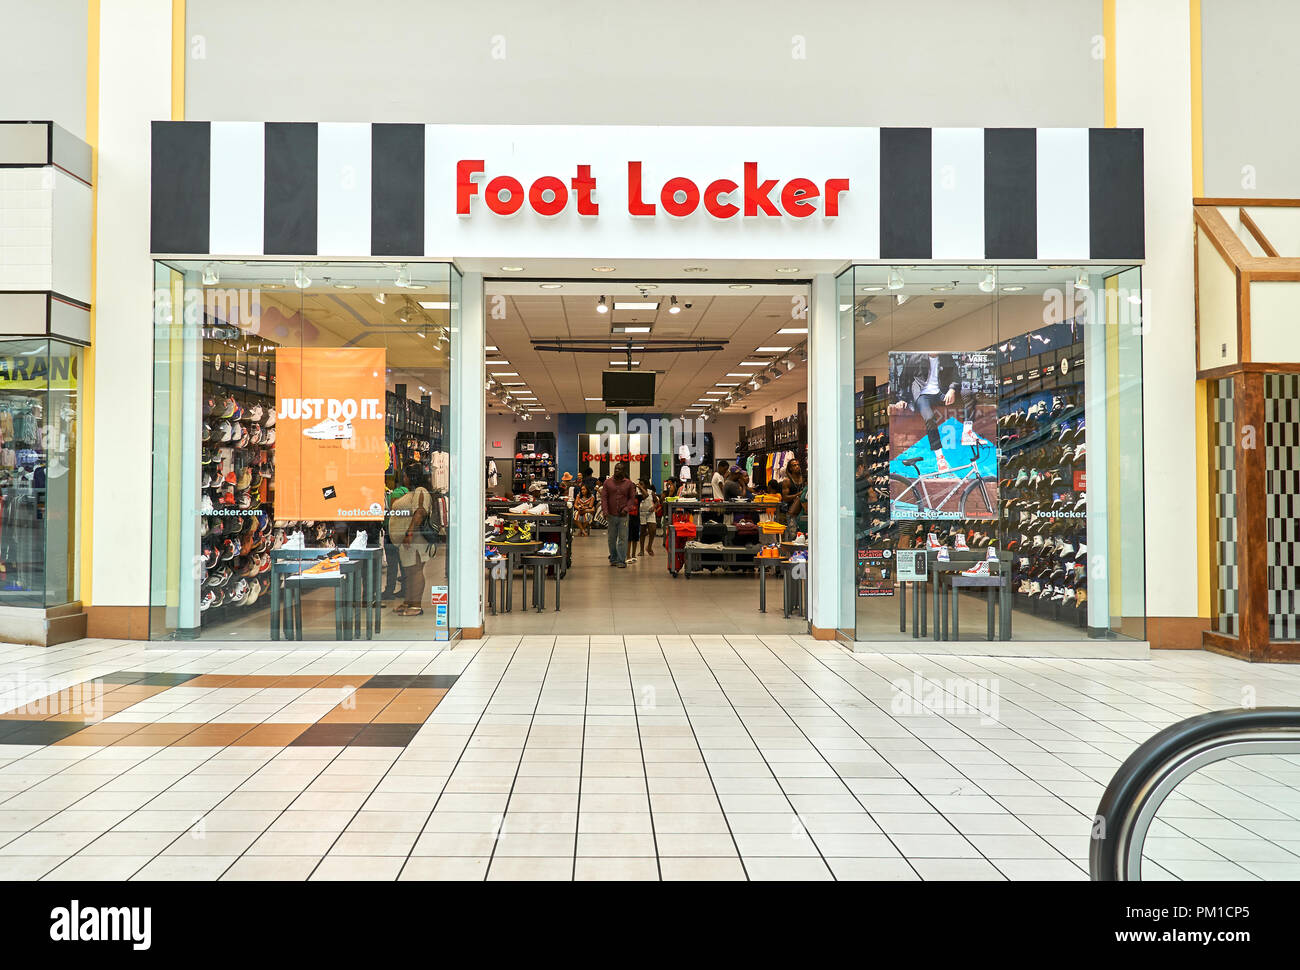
(355, 190)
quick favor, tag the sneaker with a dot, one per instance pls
(981, 568)
(360, 542)
(522, 509)
(992, 554)
(942, 470)
(942, 554)
(1082, 554)
(932, 542)
(541, 508)
(325, 569)
(959, 543)
(799, 556)
(330, 430)
(209, 597)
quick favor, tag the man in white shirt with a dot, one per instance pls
(718, 476)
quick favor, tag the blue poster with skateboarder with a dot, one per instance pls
(942, 433)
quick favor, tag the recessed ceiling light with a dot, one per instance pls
(490, 347)
(647, 286)
(497, 363)
(512, 383)
(772, 350)
(739, 286)
(635, 306)
(1012, 289)
(940, 289)
(754, 363)
(793, 330)
(345, 286)
(506, 373)
(512, 269)
(624, 363)
(871, 289)
(734, 374)
(787, 269)
(725, 384)
(630, 330)
(551, 286)
(434, 304)
(593, 399)
(601, 269)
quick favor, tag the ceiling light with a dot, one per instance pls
(490, 347)
(624, 363)
(787, 269)
(512, 269)
(435, 304)
(989, 283)
(714, 394)
(754, 383)
(403, 278)
(1012, 289)
(673, 307)
(497, 363)
(636, 306)
(754, 363)
(739, 286)
(789, 364)
(901, 298)
(793, 330)
(725, 384)
(301, 279)
(210, 275)
(420, 334)
(942, 288)
(551, 286)
(602, 269)
(512, 383)
(594, 398)
(506, 373)
(404, 314)
(731, 374)
(1081, 281)
(895, 280)
(772, 350)
(871, 289)
(630, 330)
(602, 306)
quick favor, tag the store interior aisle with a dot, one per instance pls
(645, 598)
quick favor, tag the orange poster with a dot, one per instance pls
(330, 452)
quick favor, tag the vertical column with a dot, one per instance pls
(1153, 92)
(830, 459)
(1252, 519)
(468, 372)
(1096, 401)
(135, 60)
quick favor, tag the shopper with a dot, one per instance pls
(719, 477)
(405, 531)
(617, 499)
(794, 499)
(584, 509)
(392, 561)
(634, 524)
(649, 517)
(588, 478)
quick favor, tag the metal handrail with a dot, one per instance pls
(1160, 764)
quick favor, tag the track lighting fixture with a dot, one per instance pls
(301, 279)
(989, 283)
(895, 280)
(673, 307)
(210, 275)
(602, 306)
(1081, 281)
(403, 277)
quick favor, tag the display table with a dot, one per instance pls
(514, 551)
(538, 564)
(287, 566)
(947, 580)
(792, 586)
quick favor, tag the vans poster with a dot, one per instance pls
(943, 417)
(330, 453)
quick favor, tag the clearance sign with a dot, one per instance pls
(330, 452)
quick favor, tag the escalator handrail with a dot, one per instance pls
(1136, 791)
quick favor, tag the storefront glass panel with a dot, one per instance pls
(301, 472)
(39, 485)
(998, 452)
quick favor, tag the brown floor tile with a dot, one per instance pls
(271, 735)
(386, 735)
(254, 680)
(139, 691)
(343, 680)
(215, 680)
(329, 735)
(215, 735)
(100, 734)
(160, 734)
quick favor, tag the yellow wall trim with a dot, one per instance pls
(87, 427)
(178, 60)
(1198, 122)
(1108, 65)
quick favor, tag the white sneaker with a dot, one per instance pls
(981, 568)
(329, 430)
(206, 504)
(932, 541)
(968, 436)
(942, 554)
(992, 554)
(522, 509)
(1082, 553)
(360, 542)
(959, 542)
(541, 508)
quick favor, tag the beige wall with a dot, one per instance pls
(43, 62)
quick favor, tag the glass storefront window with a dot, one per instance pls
(301, 449)
(39, 484)
(998, 451)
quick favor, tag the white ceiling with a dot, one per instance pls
(562, 382)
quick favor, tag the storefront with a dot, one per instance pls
(319, 343)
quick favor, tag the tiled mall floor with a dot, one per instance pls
(640, 757)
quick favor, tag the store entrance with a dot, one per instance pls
(646, 446)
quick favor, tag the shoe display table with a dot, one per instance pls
(538, 563)
(514, 551)
(287, 567)
(947, 580)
